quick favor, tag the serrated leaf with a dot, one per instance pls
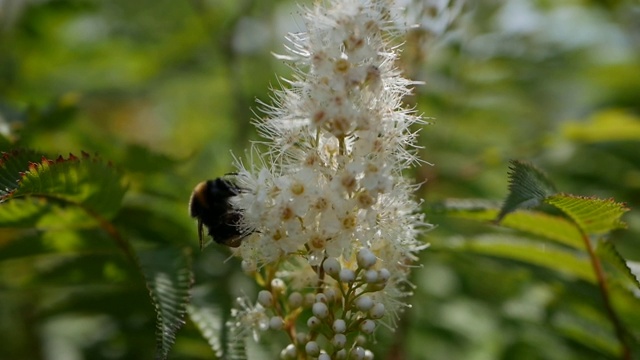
(528, 187)
(12, 164)
(86, 182)
(608, 253)
(546, 255)
(209, 321)
(169, 279)
(594, 216)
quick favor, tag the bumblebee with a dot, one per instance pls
(209, 204)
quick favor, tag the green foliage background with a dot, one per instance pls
(166, 89)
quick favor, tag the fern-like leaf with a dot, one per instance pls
(209, 321)
(528, 187)
(169, 279)
(594, 216)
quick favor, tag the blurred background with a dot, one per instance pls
(167, 89)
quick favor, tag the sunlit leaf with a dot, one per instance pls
(86, 182)
(472, 209)
(538, 223)
(592, 215)
(545, 225)
(606, 125)
(546, 255)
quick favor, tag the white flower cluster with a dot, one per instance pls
(328, 214)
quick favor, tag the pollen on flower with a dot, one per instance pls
(286, 213)
(340, 126)
(321, 204)
(342, 65)
(365, 200)
(297, 188)
(348, 182)
(317, 242)
(319, 117)
(312, 159)
(277, 235)
(349, 221)
(354, 42)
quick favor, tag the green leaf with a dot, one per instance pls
(472, 209)
(209, 320)
(608, 253)
(548, 226)
(593, 216)
(12, 164)
(528, 187)
(169, 279)
(533, 252)
(532, 222)
(607, 125)
(587, 327)
(86, 182)
(23, 214)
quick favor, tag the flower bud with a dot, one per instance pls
(313, 322)
(276, 323)
(320, 310)
(332, 267)
(339, 341)
(312, 348)
(366, 258)
(347, 275)
(384, 275)
(341, 354)
(364, 303)
(289, 352)
(330, 293)
(295, 300)
(357, 353)
(265, 298)
(339, 326)
(371, 276)
(377, 311)
(278, 286)
(368, 355)
(368, 326)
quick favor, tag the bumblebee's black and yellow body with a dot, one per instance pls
(210, 205)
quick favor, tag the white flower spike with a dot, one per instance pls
(326, 205)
